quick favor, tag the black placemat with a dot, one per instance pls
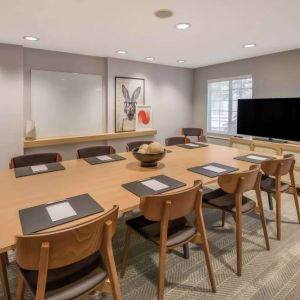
(187, 146)
(139, 189)
(96, 161)
(201, 170)
(36, 218)
(251, 160)
(27, 171)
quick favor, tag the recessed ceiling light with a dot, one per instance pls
(249, 45)
(30, 38)
(181, 61)
(149, 58)
(121, 52)
(183, 26)
(163, 13)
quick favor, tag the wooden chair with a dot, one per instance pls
(176, 140)
(164, 223)
(272, 184)
(34, 159)
(196, 132)
(95, 151)
(230, 198)
(130, 146)
(69, 263)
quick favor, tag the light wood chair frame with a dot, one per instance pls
(200, 138)
(237, 184)
(282, 168)
(167, 213)
(44, 260)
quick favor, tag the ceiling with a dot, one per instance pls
(100, 27)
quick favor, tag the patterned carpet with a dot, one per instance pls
(271, 274)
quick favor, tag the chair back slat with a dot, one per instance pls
(130, 146)
(278, 167)
(34, 159)
(176, 140)
(67, 246)
(192, 132)
(182, 203)
(240, 182)
(95, 151)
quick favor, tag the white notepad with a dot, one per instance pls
(104, 157)
(192, 145)
(60, 211)
(214, 169)
(256, 157)
(154, 185)
(39, 168)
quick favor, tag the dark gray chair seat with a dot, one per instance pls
(268, 185)
(179, 230)
(95, 151)
(219, 199)
(176, 140)
(71, 281)
(34, 159)
(130, 146)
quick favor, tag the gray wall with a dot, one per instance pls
(274, 75)
(62, 62)
(167, 89)
(11, 103)
(177, 95)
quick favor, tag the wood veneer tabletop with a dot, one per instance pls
(103, 182)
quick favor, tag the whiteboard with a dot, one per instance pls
(66, 104)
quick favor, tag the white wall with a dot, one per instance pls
(11, 103)
(167, 89)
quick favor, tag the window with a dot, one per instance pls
(223, 95)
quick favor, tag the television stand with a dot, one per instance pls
(270, 140)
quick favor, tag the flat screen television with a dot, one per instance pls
(276, 118)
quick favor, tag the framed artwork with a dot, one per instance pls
(143, 117)
(129, 93)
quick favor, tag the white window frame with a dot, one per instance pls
(230, 79)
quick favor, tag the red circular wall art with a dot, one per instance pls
(144, 117)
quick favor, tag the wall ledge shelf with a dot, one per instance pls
(87, 138)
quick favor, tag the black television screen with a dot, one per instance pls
(269, 118)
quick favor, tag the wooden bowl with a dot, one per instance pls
(148, 160)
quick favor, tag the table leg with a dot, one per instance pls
(3, 277)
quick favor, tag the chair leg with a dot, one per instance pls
(20, 288)
(238, 219)
(278, 214)
(270, 199)
(113, 276)
(202, 231)
(262, 218)
(162, 270)
(126, 252)
(6, 258)
(3, 277)
(296, 202)
(223, 218)
(186, 251)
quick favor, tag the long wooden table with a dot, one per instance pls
(103, 182)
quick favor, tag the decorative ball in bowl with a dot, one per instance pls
(150, 154)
